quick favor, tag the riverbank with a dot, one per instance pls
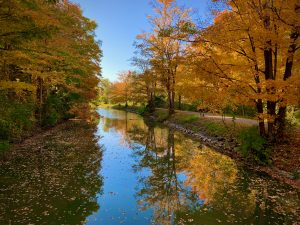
(223, 136)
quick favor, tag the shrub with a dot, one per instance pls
(160, 102)
(4, 129)
(15, 118)
(254, 146)
(4, 145)
(142, 110)
(297, 114)
(56, 108)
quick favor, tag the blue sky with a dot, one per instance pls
(119, 21)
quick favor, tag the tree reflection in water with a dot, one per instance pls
(52, 180)
(184, 183)
(192, 184)
(162, 191)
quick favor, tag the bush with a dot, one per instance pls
(142, 110)
(292, 116)
(254, 146)
(15, 118)
(160, 102)
(4, 145)
(4, 129)
(297, 114)
(56, 108)
(187, 107)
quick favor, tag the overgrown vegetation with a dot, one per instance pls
(253, 146)
(16, 117)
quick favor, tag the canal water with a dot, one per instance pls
(130, 171)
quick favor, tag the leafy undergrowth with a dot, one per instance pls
(254, 147)
(286, 156)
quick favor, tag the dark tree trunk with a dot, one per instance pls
(281, 118)
(269, 75)
(171, 103)
(151, 104)
(259, 102)
(261, 123)
(171, 94)
(179, 102)
(271, 106)
(39, 96)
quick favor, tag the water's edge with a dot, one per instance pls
(228, 149)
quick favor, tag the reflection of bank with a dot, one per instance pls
(214, 189)
(162, 191)
(57, 185)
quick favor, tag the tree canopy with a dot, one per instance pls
(49, 60)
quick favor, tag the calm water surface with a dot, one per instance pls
(131, 172)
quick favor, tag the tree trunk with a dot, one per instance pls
(170, 91)
(179, 102)
(151, 105)
(39, 96)
(172, 94)
(261, 123)
(171, 102)
(269, 75)
(287, 74)
(259, 102)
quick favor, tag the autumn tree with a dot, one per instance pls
(147, 79)
(49, 58)
(264, 44)
(250, 55)
(104, 87)
(165, 53)
(120, 90)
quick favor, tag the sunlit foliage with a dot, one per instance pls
(49, 58)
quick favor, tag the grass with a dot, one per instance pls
(189, 119)
(208, 126)
(215, 128)
(161, 115)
